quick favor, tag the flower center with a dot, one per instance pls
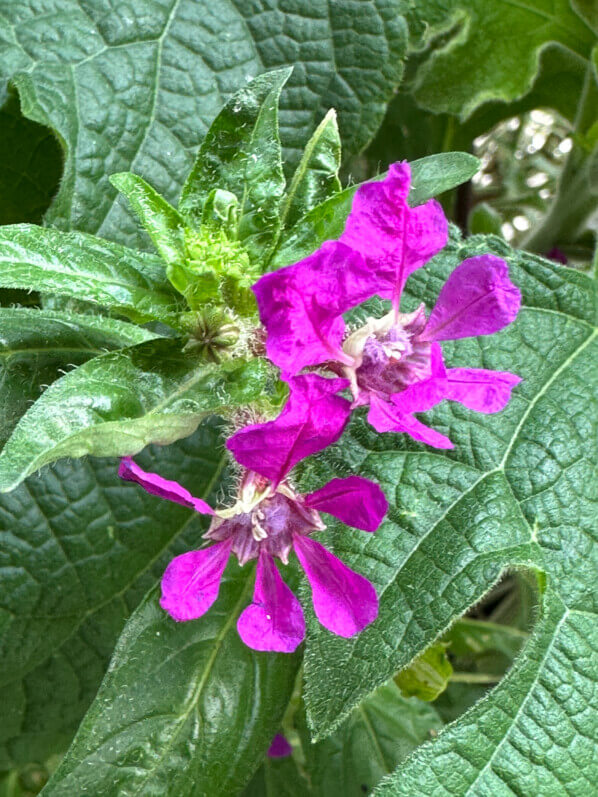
(263, 518)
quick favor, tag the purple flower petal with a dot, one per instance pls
(385, 417)
(301, 306)
(356, 501)
(344, 601)
(280, 748)
(155, 485)
(191, 581)
(477, 299)
(394, 239)
(274, 621)
(313, 418)
(480, 390)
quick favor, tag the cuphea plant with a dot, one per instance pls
(316, 323)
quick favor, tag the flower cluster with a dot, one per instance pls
(393, 364)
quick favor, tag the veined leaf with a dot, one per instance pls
(119, 402)
(518, 489)
(534, 734)
(79, 548)
(380, 733)
(241, 154)
(88, 268)
(186, 708)
(37, 346)
(464, 73)
(430, 176)
(160, 220)
(136, 91)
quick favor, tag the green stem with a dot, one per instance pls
(574, 201)
(474, 678)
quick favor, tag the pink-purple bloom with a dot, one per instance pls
(270, 518)
(394, 364)
(280, 747)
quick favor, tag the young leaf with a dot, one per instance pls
(241, 154)
(518, 488)
(37, 346)
(316, 176)
(534, 734)
(186, 708)
(160, 220)
(80, 548)
(428, 675)
(380, 733)
(88, 268)
(430, 176)
(119, 402)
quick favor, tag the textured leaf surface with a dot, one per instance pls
(37, 346)
(379, 734)
(519, 488)
(134, 88)
(466, 72)
(117, 403)
(78, 549)
(534, 734)
(186, 708)
(87, 268)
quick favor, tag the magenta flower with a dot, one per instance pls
(394, 364)
(280, 747)
(270, 518)
(384, 241)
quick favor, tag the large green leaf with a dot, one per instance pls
(37, 346)
(88, 268)
(117, 403)
(465, 72)
(79, 548)
(185, 709)
(518, 489)
(379, 734)
(135, 91)
(534, 734)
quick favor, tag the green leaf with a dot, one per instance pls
(161, 221)
(464, 72)
(241, 154)
(380, 733)
(88, 268)
(435, 174)
(80, 548)
(428, 675)
(186, 708)
(117, 403)
(429, 176)
(533, 734)
(474, 638)
(137, 91)
(37, 346)
(316, 176)
(518, 489)
(30, 165)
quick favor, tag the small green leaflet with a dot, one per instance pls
(88, 268)
(117, 403)
(38, 346)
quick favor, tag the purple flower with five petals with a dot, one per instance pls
(270, 518)
(394, 364)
